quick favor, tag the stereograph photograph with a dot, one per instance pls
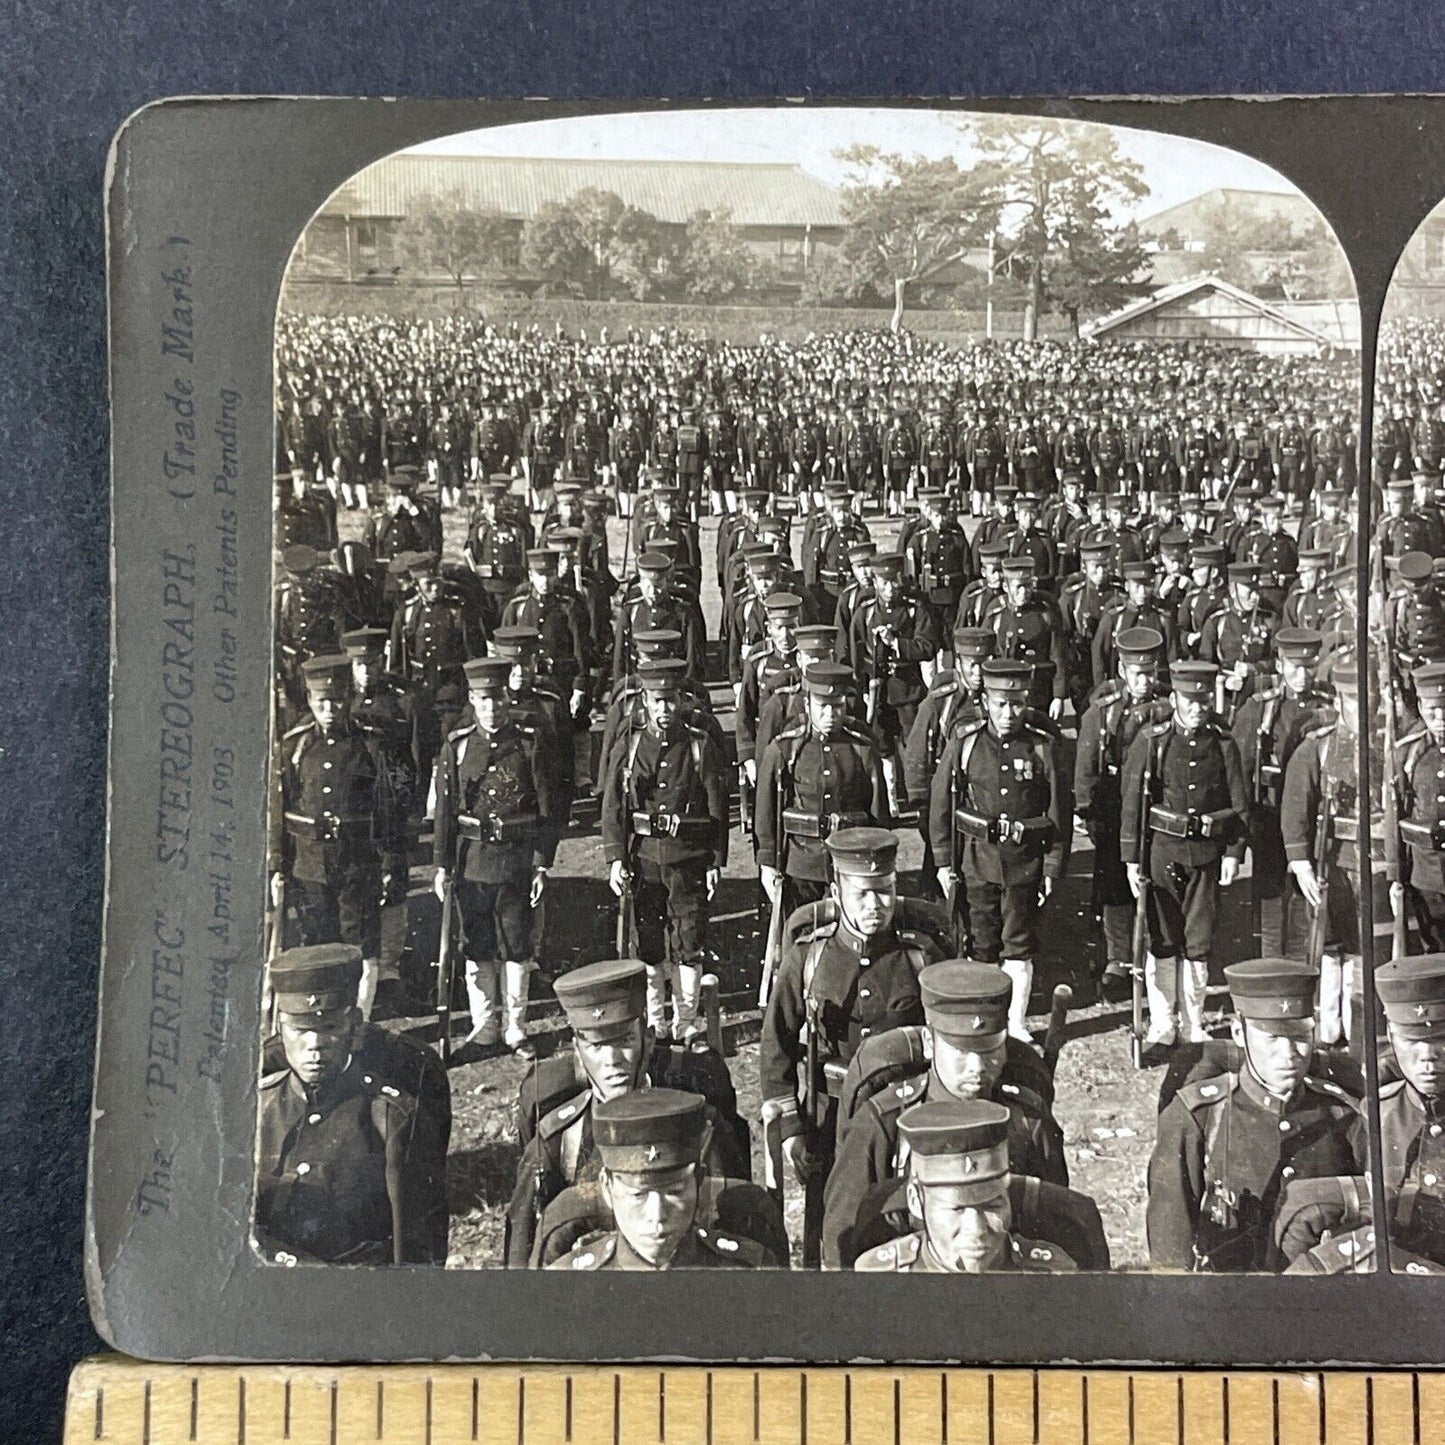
(817, 709)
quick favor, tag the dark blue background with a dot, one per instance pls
(69, 75)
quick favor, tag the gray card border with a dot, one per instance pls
(206, 200)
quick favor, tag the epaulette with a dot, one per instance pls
(298, 730)
(592, 1251)
(1107, 692)
(1269, 694)
(944, 685)
(974, 725)
(1413, 736)
(734, 1247)
(1157, 730)
(271, 1080)
(858, 732)
(896, 1254)
(1388, 1091)
(1027, 1100)
(1331, 1090)
(1204, 1093)
(545, 689)
(799, 729)
(898, 1097)
(1324, 729)
(821, 930)
(560, 1119)
(458, 733)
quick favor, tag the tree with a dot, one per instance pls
(832, 279)
(443, 233)
(1229, 234)
(595, 240)
(1061, 180)
(715, 262)
(1094, 267)
(1315, 267)
(909, 217)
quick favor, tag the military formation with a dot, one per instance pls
(860, 596)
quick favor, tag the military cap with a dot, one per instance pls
(766, 563)
(403, 479)
(649, 1131)
(781, 604)
(1345, 576)
(1244, 572)
(299, 559)
(1415, 567)
(1412, 991)
(488, 674)
(541, 559)
(1345, 675)
(423, 564)
(493, 490)
(1071, 475)
(364, 641)
(932, 497)
(564, 538)
(1271, 502)
(993, 552)
(515, 641)
(665, 547)
(964, 1000)
(450, 694)
(1332, 496)
(1272, 988)
(1429, 680)
(1142, 571)
(870, 853)
(603, 997)
(862, 551)
(754, 496)
(888, 564)
(830, 681)
(1004, 494)
(1174, 541)
(657, 642)
(1190, 502)
(1193, 679)
(664, 492)
(1139, 644)
(1315, 557)
(317, 979)
(976, 642)
(654, 562)
(1005, 675)
(327, 675)
(1095, 551)
(819, 637)
(1026, 499)
(661, 674)
(958, 1141)
(1245, 494)
(772, 526)
(1019, 567)
(1401, 489)
(1299, 644)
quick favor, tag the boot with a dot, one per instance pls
(657, 1000)
(518, 978)
(1193, 980)
(1349, 981)
(685, 1000)
(1160, 981)
(366, 994)
(1021, 975)
(363, 497)
(483, 1000)
(1330, 1009)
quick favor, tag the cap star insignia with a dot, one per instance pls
(598, 1012)
(651, 1153)
(978, 1021)
(1419, 1010)
(1284, 1005)
(311, 998)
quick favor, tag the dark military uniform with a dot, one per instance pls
(1227, 1146)
(432, 641)
(893, 669)
(910, 1255)
(1419, 781)
(1031, 632)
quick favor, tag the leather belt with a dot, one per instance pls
(1019, 832)
(492, 829)
(801, 823)
(671, 825)
(326, 827)
(1190, 825)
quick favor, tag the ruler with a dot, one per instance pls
(130, 1402)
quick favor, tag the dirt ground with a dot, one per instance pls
(1105, 1107)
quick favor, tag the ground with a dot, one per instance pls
(1105, 1106)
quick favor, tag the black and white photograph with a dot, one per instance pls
(815, 704)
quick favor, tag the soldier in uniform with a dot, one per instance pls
(1206, 594)
(303, 518)
(814, 778)
(337, 840)
(1323, 773)
(1110, 722)
(958, 1177)
(665, 837)
(1308, 599)
(649, 1144)
(352, 1141)
(1273, 551)
(433, 633)
(966, 1006)
(1419, 874)
(614, 1053)
(1267, 729)
(1083, 600)
(838, 983)
(1001, 786)
(1330, 530)
(1138, 607)
(408, 523)
(770, 666)
(936, 557)
(308, 619)
(854, 594)
(1227, 1146)
(1183, 785)
(496, 548)
(656, 607)
(494, 842)
(1028, 629)
(1239, 639)
(827, 538)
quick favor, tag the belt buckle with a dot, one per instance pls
(668, 824)
(328, 827)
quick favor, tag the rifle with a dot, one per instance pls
(1324, 827)
(1400, 925)
(275, 929)
(446, 962)
(772, 953)
(1139, 942)
(877, 674)
(745, 801)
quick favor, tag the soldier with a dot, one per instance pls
(408, 524)
(308, 619)
(1183, 794)
(650, 1147)
(1323, 775)
(1308, 600)
(1400, 530)
(1001, 786)
(936, 556)
(1238, 639)
(1138, 607)
(839, 982)
(559, 618)
(827, 539)
(1028, 629)
(958, 1193)
(1226, 1146)
(1083, 600)
(1418, 875)
(1110, 722)
(1273, 551)
(351, 1159)
(1415, 617)
(786, 703)
(818, 776)
(1330, 530)
(337, 842)
(1028, 539)
(853, 595)
(665, 837)
(614, 1052)
(494, 842)
(496, 547)
(1267, 729)
(656, 606)
(433, 633)
(303, 518)
(966, 1006)
(1206, 594)
(995, 528)
(626, 448)
(770, 666)
(900, 458)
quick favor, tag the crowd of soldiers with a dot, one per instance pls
(1122, 602)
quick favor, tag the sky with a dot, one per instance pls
(1174, 169)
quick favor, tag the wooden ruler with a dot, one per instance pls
(133, 1403)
